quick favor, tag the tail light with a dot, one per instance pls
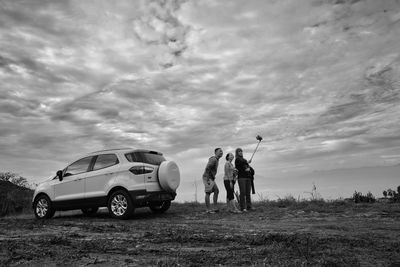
(136, 170)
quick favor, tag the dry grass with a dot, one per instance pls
(278, 233)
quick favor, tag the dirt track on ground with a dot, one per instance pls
(367, 235)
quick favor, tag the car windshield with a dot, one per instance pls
(146, 157)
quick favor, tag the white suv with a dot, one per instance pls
(119, 179)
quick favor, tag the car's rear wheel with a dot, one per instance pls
(160, 207)
(89, 211)
(120, 205)
(42, 207)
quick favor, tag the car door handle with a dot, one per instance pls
(149, 177)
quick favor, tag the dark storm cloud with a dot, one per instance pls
(18, 14)
(5, 63)
(31, 67)
(343, 112)
(109, 113)
(14, 109)
(344, 132)
(86, 110)
(382, 82)
(16, 106)
(365, 103)
(387, 140)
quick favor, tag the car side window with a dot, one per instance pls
(104, 161)
(78, 166)
(132, 157)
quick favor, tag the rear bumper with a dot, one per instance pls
(143, 198)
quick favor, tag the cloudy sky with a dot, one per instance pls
(319, 80)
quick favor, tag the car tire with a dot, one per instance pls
(169, 176)
(90, 211)
(160, 207)
(120, 205)
(42, 207)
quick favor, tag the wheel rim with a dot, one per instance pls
(42, 207)
(119, 205)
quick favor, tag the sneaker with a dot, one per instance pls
(244, 210)
(210, 211)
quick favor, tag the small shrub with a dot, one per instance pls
(314, 194)
(14, 198)
(286, 201)
(358, 197)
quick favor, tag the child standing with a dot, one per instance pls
(230, 177)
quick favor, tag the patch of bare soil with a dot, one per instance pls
(304, 235)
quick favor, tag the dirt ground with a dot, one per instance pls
(316, 234)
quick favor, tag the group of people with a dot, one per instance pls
(241, 172)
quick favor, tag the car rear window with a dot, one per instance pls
(146, 157)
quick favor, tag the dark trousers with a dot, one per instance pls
(229, 189)
(245, 189)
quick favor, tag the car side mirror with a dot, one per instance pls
(60, 176)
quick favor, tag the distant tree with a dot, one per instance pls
(390, 192)
(357, 197)
(385, 194)
(13, 178)
(393, 195)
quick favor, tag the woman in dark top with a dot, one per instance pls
(244, 180)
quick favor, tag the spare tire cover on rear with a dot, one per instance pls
(169, 176)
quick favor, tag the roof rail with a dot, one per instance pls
(104, 150)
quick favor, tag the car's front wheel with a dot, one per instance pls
(120, 205)
(160, 207)
(42, 208)
(89, 211)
